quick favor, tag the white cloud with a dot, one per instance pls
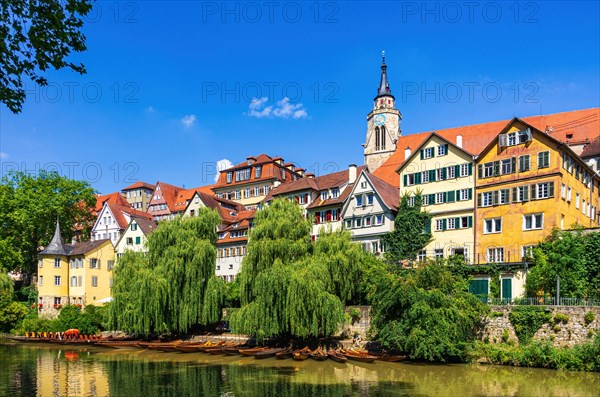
(189, 120)
(282, 109)
(3, 155)
(222, 165)
(149, 109)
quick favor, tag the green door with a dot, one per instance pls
(507, 290)
(479, 288)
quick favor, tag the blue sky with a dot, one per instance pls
(170, 85)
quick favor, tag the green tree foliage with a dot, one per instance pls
(11, 312)
(561, 254)
(170, 288)
(37, 35)
(29, 207)
(290, 287)
(412, 231)
(427, 313)
(527, 320)
(591, 260)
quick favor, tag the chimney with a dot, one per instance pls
(407, 153)
(459, 141)
(351, 173)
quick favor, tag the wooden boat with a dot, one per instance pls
(234, 350)
(391, 358)
(209, 345)
(287, 353)
(358, 355)
(144, 345)
(302, 354)
(268, 353)
(318, 355)
(165, 346)
(252, 351)
(337, 356)
(188, 348)
(117, 345)
(215, 351)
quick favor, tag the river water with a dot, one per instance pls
(50, 370)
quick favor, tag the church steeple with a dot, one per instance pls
(384, 85)
(56, 246)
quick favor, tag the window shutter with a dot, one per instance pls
(405, 180)
(514, 194)
(328, 215)
(422, 154)
(451, 196)
(470, 221)
(444, 175)
(305, 198)
(496, 168)
(533, 195)
(431, 199)
(417, 178)
(446, 148)
(495, 197)
(479, 171)
(551, 189)
(502, 140)
(444, 197)
(470, 169)
(529, 135)
(526, 193)
(470, 194)
(457, 224)
(317, 218)
(444, 224)
(513, 165)
(431, 175)
(428, 227)
(479, 199)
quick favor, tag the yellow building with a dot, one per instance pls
(74, 273)
(527, 184)
(443, 172)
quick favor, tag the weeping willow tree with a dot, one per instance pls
(166, 289)
(290, 287)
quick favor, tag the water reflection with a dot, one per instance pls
(46, 370)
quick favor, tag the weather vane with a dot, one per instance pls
(383, 55)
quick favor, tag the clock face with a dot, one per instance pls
(379, 120)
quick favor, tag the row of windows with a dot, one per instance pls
(76, 281)
(137, 193)
(157, 207)
(496, 254)
(244, 174)
(566, 193)
(365, 221)
(573, 168)
(364, 199)
(515, 138)
(76, 263)
(327, 216)
(536, 191)
(509, 166)
(138, 240)
(530, 222)
(231, 252)
(439, 174)
(438, 253)
(443, 197)
(431, 152)
(256, 191)
(462, 222)
(230, 267)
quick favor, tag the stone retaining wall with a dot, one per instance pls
(574, 332)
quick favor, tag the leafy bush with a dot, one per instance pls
(505, 335)
(354, 315)
(589, 317)
(527, 320)
(496, 314)
(561, 318)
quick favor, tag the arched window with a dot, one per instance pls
(377, 143)
(382, 139)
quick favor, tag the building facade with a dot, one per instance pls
(79, 274)
(112, 221)
(138, 195)
(442, 173)
(135, 236)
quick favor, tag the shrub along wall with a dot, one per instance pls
(562, 325)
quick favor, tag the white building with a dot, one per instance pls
(112, 221)
(135, 236)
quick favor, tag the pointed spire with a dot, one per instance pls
(384, 86)
(56, 246)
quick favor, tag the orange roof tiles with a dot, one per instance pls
(139, 185)
(113, 198)
(580, 124)
(592, 149)
(118, 212)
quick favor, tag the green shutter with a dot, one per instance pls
(444, 175)
(470, 169)
(496, 168)
(431, 175)
(551, 189)
(470, 194)
(451, 196)
(431, 199)
(428, 227)
(405, 179)
(444, 197)
(457, 224)
(444, 224)
(446, 148)
(138, 240)
(470, 221)
(479, 199)
(456, 171)
(515, 197)
(513, 165)
(422, 155)
(480, 171)
(417, 178)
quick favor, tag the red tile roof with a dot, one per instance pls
(388, 193)
(113, 198)
(592, 149)
(139, 185)
(119, 212)
(582, 124)
(169, 193)
(271, 170)
(146, 225)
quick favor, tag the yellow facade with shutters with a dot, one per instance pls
(81, 277)
(520, 193)
(444, 175)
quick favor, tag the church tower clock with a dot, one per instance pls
(383, 124)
